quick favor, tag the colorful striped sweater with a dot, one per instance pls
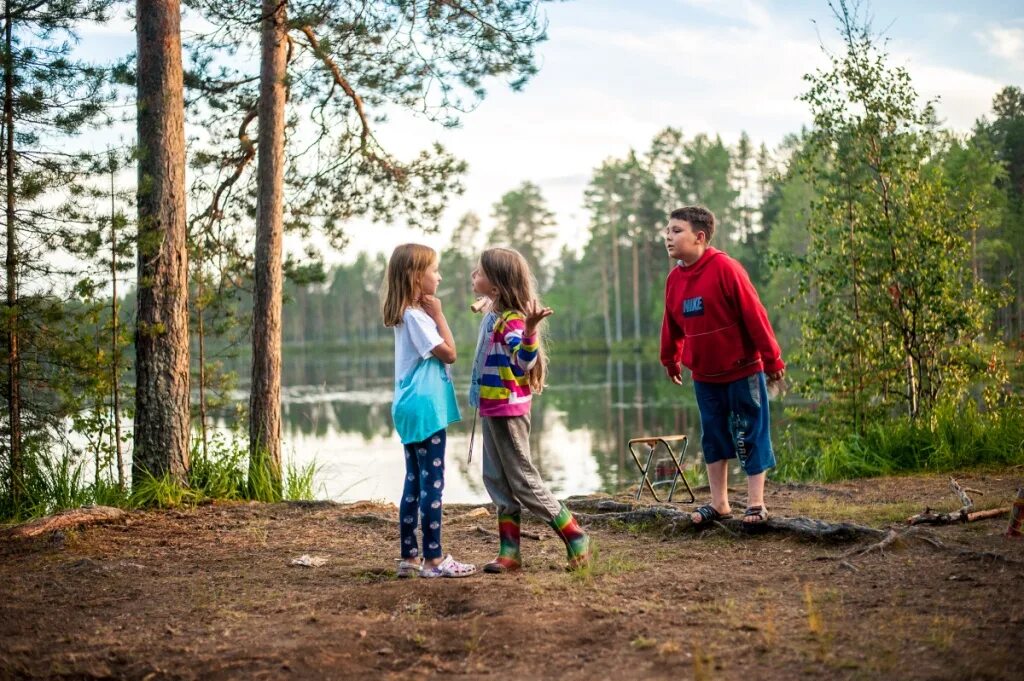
(503, 359)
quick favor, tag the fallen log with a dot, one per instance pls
(75, 517)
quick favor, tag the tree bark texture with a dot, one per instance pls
(72, 518)
(13, 380)
(161, 328)
(265, 398)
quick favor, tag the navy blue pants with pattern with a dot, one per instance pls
(424, 482)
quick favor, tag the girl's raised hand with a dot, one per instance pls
(432, 306)
(534, 314)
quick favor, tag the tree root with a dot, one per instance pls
(678, 522)
(76, 517)
(920, 534)
(599, 505)
(674, 523)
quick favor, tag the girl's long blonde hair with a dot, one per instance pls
(401, 281)
(509, 273)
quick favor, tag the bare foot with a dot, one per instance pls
(756, 515)
(698, 518)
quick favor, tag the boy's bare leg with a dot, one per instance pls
(718, 481)
(755, 493)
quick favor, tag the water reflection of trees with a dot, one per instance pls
(618, 399)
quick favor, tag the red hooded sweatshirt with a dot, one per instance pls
(715, 323)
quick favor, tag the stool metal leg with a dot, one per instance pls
(652, 443)
(678, 475)
(644, 467)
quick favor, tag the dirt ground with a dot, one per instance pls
(208, 592)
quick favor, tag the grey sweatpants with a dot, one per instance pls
(509, 474)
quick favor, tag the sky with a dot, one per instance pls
(614, 73)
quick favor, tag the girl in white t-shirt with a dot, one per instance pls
(424, 404)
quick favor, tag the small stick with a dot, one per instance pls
(480, 304)
(985, 515)
(968, 504)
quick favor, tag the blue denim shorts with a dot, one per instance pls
(734, 422)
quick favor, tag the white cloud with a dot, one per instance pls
(746, 11)
(1004, 42)
(963, 97)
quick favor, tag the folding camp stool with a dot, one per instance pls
(652, 443)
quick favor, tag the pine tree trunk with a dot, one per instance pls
(636, 293)
(605, 305)
(265, 399)
(161, 331)
(13, 382)
(201, 333)
(115, 350)
(616, 279)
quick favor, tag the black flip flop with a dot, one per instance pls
(708, 514)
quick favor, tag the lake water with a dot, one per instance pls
(337, 411)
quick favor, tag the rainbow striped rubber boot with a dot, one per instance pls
(577, 543)
(508, 554)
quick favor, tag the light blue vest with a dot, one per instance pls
(424, 402)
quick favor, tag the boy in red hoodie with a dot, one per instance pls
(717, 327)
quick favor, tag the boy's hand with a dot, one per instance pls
(676, 377)
(432, 306)
(777, 375)
(534, 314)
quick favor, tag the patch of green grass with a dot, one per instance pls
(873, 513)
(952, 437)
(220, 472)
(375, 575)
(165, 491)
(300, 480)
(602, 564)
(54, 482)
(643, 643)
(50, 484)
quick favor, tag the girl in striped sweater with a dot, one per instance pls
(509, 367)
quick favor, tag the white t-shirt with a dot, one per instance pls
(415, 338)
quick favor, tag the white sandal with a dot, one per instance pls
(406, 569)
(449, 567)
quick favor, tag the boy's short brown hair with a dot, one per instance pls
(699, 217)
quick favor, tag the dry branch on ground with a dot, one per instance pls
(966, 513)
